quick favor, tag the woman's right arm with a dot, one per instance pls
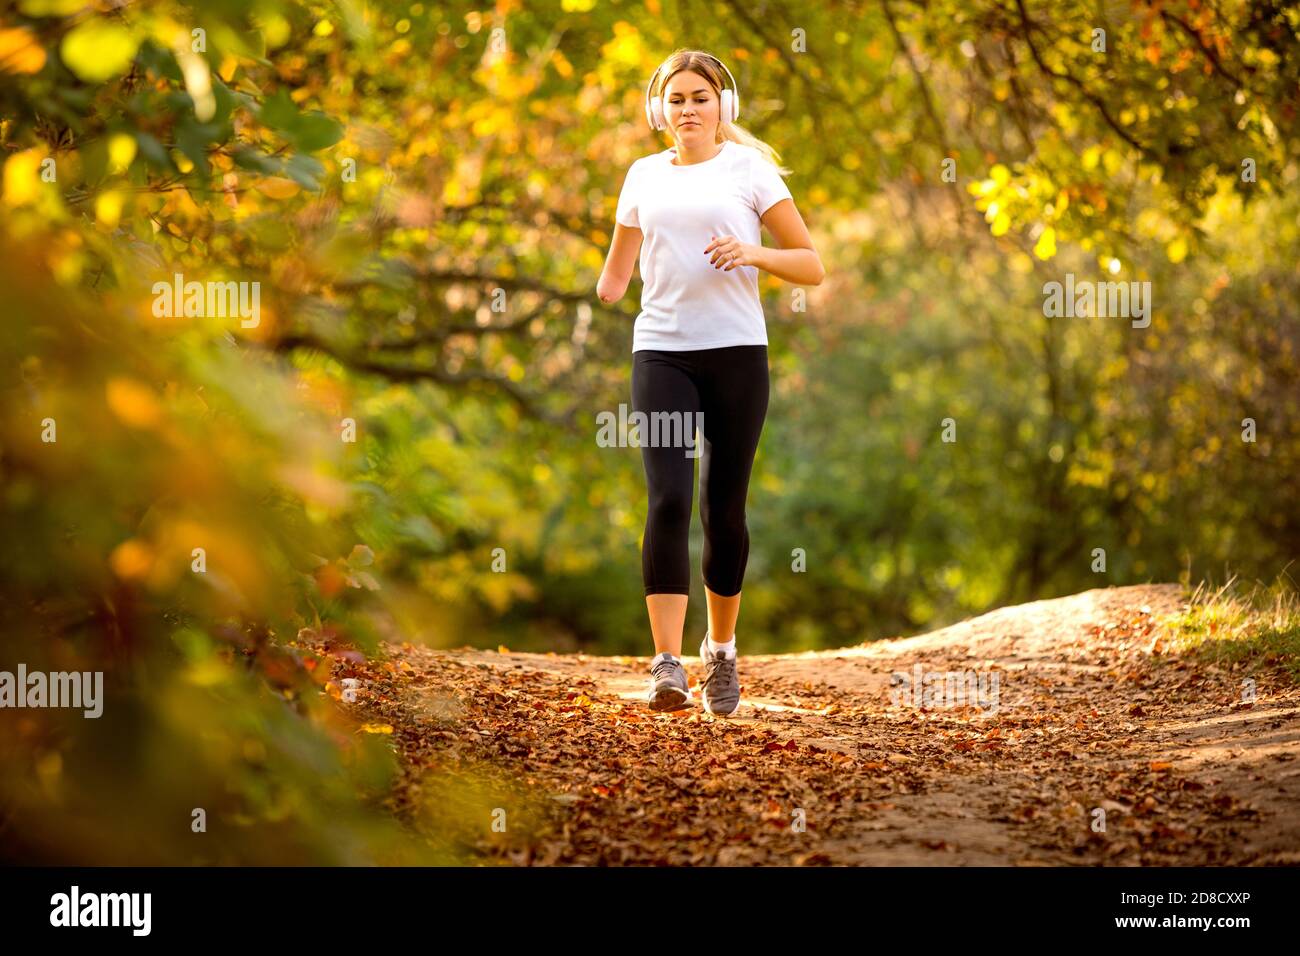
(619, 263)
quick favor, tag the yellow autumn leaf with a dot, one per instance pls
(626, 49)
(377, 728)
(1045, 248)
(207, 672)
(108, 208)
(1177, 250)
(97, 50)
(68, 266)
(275, 28)
(22, 177)
(121, 151)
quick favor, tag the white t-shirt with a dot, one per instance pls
(687, 303)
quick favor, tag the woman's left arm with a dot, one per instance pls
(795, 261)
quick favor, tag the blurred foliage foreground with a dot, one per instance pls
(215, 744)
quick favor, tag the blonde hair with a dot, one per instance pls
(698, 61)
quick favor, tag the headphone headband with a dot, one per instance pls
(654, 105)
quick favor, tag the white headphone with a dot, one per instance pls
(730, 101)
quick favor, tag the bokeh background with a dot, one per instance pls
(425, 194)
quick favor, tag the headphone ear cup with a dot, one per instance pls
(735, 105)
(657, 113)
(725, 106)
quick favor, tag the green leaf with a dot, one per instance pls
(224, 98)
(307, 131)
(278, 111)
(160, 60)
(305, 171)
(193, 139)
(79, 98)
(94, 161)
(152, 150)
(420, 529)
(249, 158)
(316, 130)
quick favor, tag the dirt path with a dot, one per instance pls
(820, 766)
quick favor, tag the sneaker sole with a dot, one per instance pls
(670, 698)
(718, 713)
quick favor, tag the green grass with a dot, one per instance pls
(1255, 625)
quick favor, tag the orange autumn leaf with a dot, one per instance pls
(277, 187)
(20, 51)
(133, 402)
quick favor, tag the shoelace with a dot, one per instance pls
(720, 675)
(661, 668)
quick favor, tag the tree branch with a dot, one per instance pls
(1078, 84)
(408, 374)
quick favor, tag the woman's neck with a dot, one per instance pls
(685, 158)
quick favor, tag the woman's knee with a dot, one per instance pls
(726, 519)
(671, 508)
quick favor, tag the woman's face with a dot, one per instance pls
(691, 108)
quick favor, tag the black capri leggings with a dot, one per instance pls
(725, 392)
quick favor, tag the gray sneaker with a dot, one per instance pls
(720, 689)
(668, 687)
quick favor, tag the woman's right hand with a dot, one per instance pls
(606, 291)
(616, 275)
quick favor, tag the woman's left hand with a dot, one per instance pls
(729, 252)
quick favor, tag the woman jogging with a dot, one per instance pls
(699, 349)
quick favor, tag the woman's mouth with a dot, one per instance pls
(684, 125)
